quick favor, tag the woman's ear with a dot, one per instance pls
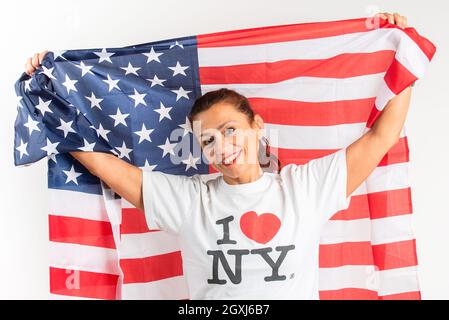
(258, 120)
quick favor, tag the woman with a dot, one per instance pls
(248, 233)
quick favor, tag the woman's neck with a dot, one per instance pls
(254, 173)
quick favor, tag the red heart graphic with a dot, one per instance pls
(259, 228)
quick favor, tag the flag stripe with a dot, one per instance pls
(86, 258)
(349, 294)
(395, 255)
(80, 283)
(81, 231)
(271, 72)
(274, 34)
(152, 268)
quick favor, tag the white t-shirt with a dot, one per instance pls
(256, 240)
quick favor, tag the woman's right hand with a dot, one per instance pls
(34, 62)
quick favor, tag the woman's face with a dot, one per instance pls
(228, 140)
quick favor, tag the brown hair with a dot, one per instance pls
(267, 160)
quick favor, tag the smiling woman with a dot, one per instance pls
(254, 231)
(230, 133)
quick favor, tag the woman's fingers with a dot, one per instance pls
(394, 18)
(34, 62)
(29, 69)
(41, 56)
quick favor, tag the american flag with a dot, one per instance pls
(319, 85)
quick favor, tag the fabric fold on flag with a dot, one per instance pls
(318, 86)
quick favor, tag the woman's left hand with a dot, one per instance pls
(394, 18)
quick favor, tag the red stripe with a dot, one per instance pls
(85, 284)
(348, 294)
(413, 295)
(152, 268)
(345, 253)
(394, 255)
(377, 205)
(290, 32)
(342, 66)
(399, 153)
(300, 113)
(134, 221)
(81, 231)
(390, 203)
(398, 77)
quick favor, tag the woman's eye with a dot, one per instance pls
(206, 142)
(229, 130)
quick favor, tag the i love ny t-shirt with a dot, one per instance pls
(256, 240)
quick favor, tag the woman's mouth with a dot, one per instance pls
(232, 159)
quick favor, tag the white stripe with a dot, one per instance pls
(81, 257)
(377, 231)
(309, 89)
(315, 137)
(319, 48)
(398, 280)
(338, 231)
(384, 95)
(392, 229)
(362, 277)
(174, 288)
(390, 177)
(386, 282)
(77, 204)
(147, 244)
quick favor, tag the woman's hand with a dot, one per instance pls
(394, 18)
(34, 62)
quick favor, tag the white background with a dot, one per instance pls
(27, 27)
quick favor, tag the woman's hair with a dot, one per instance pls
(267, 160)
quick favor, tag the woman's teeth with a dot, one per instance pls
(229, 159)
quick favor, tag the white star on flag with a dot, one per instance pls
(59, 54)
(148, 167)
(119, 118)
(130, 69)
(167, 148)
(48, 72)
(19, 101)
(22, 148)
(94, 101)
(124, 151)
(144, 134)
(181, 93)
(69, 84)
(50, 147)
(28, 84)
(163, 112)
(44, 106)
(32, 125)
(177, 44)
(72, 175)
(104, 56)
(187, 126)
(87, 146)
(66, 127)
(178, 69)
(102, 132)
(84, 69)
(156, 81)
(112, 83)
(152, 55)
(191, 162)
(138, 98)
